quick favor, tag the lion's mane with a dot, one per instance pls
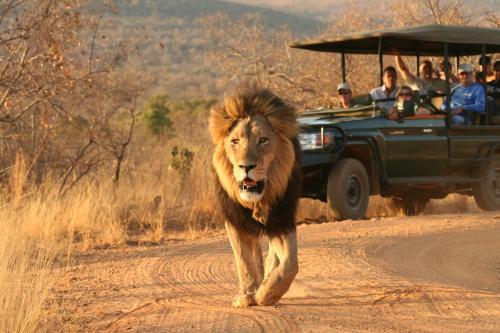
(284, 174)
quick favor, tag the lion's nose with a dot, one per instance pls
(247, 167)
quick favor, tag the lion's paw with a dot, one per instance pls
(260, 215)
(242, 301)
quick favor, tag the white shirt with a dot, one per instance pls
(380, 93)
(435, 84)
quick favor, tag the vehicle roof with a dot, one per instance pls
(425, 40)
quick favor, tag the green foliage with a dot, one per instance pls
(181, 161)
(156, 114)
(195, 107)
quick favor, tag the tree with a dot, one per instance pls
(61, 91)
(156, 115)
(493, 19)
(245, 51)
(444, 12)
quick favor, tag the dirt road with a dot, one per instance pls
(422, 274)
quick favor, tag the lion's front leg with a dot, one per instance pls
(271, 261)
(259, 262)
(277, 281)
(248, 257)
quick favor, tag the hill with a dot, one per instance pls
(190, 10)
(171, 44)
(329, 9)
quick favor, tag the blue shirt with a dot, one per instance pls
(470, 98)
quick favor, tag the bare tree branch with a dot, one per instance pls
(92, 45)
(74, 164)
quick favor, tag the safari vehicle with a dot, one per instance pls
(350, 154)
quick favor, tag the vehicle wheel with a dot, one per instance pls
(348, 190)
(487, 191)
(410, 206)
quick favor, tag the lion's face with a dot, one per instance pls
(250, 148)
(254, 154)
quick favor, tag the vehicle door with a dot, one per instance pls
(417, 146)
(472, 144)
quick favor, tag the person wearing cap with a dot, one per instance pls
(490, 76)
(345, 95)
(388, 90)
(426, 81)
(466, 98)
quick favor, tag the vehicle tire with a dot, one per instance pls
(487, 191)
(348, 190)
(409, 205)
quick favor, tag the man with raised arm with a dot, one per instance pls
(426, 81)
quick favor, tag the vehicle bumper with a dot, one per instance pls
(315, 167)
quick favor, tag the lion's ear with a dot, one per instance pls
(219, 123)
(251, 101)
(284, 121)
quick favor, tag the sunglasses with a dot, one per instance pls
(343, 92)
(405, 95)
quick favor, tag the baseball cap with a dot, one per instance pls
(465, 68)
(343, 86)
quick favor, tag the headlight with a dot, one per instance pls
(318, 140)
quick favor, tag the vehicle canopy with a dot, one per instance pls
(425, 40)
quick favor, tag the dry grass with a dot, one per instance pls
(26, 264)
(148, 206)
(312, 211)
(452, 204)
(26, 275)
(40, 230)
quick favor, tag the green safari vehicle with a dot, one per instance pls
(350, 154)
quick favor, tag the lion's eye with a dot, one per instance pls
(263, 140)
(235, 141)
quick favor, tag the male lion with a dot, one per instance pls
(258, 184)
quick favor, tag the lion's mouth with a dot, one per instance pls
(250, 185)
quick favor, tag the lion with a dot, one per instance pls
(258, 177)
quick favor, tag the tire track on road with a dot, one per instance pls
(445, 259)
(344, 284)
(193, 288)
